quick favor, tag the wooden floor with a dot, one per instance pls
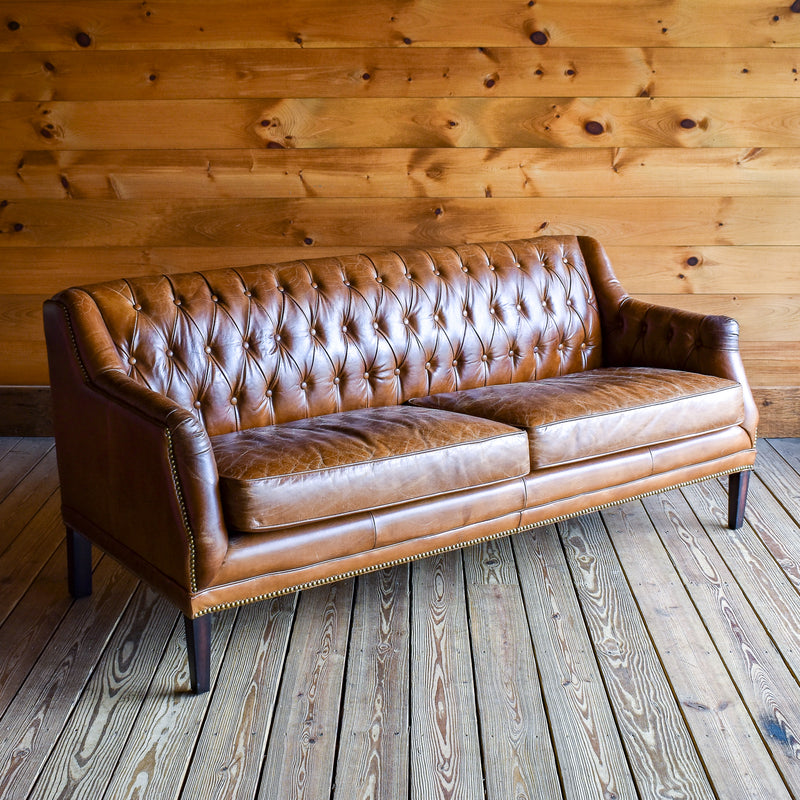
(645, 652)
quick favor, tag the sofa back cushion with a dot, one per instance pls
(266, 344)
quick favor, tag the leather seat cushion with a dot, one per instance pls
(359, 460)
(594, 413)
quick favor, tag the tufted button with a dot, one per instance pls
(269, 393)
(455, 363)
(511, 354)
(304, 386)
(536, 349)
(366, 376)
(519, 306)
(347, 283)
(397, 371)
(406, 321)
(248, 293)
(492, 311)
(465, 270)
(280, 289)
(465, 313)
(177, 302)
(565, 260)
(131, 360)
(313, 331)
(436, 272)
(197, 404)
(315, 285)
(379, 279)
(207, 349)
(336, 381)
(569, 303)
(137, 307)
(214, 298)
(583, 345)
(234, 401)
(246, 345)
(491, 268)
(169, 353)
(544, 303)
(427, 365)
(561, 346)
(344, 328)
(376, 325)
(277, 337)
(484, 357)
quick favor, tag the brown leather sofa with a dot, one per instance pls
(235, 434)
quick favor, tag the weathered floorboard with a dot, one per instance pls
(445, 751)
(720, 723)
(765, 683)
(517, 751)
(660, 750)
(81, 766)
(645, 652)
(587, 743)
(302, 748)
(373, 757)
(231, 746)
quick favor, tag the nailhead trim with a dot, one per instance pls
(449, 548)
(176, 482)
(75, 345)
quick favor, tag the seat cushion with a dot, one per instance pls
(597, 412)
(359, 460)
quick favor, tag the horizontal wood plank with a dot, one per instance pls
(400, 72)
(399, 173)
(415, 122)
(204, 24)
(309, 224)
(642, 268)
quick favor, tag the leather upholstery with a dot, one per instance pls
(162, 386)
(251, 347)
(595, 413)
(338, 464)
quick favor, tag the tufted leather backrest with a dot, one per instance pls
(265, 344)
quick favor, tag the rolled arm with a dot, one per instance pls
(137, 471)
(640, 334)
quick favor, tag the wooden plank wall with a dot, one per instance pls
(160, 135)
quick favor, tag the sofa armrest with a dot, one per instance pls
(137, 471)
(640, 334)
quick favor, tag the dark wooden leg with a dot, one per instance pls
(737, 498)
(79, 564)
(198, 644)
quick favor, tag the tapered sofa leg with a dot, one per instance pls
(79, 564)
(738, 483)
(198, 645)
